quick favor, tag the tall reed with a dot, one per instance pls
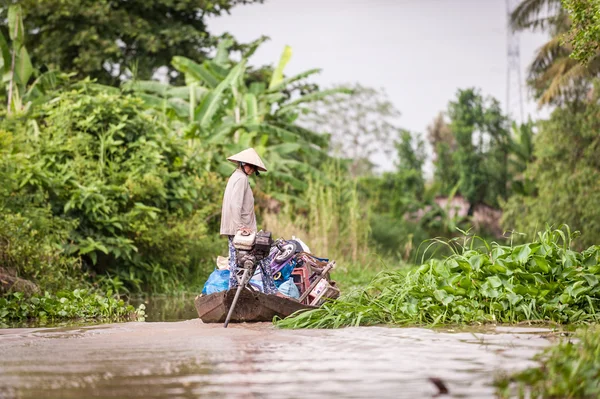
(332, 222)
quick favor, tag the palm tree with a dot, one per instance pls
(554, 77)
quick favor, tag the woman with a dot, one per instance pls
(238, 212)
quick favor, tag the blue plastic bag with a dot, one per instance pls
(217, 281)
(288, 288)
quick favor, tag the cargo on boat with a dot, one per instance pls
(302, 282)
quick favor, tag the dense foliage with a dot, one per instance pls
(568, 370)
(111, 40)
(225, 107)
(123, 185)
(126, 181)
(566, 173)
(79, 304)
(544, 280)
(584, 34)
(474, 156)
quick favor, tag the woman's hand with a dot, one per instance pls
(245, 230)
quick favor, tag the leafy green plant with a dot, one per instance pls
(138, 199)
(570, 369)
(24, 84)
(79, 304)
(30, 247)
(14, 60)
(227, 107)
(584, 33)
(544, 281)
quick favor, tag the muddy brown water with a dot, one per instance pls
(189, 359)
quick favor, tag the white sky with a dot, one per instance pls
(420, 51)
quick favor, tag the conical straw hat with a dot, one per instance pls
(249, 156)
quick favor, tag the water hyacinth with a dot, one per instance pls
(540, 281)
(567, 370)
(80, 304)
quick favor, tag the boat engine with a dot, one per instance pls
(250, 249)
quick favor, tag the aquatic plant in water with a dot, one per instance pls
(79, 304)
(570, 369)
(491, 283)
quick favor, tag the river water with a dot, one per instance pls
(189, 359)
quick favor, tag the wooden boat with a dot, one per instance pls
(252, 306)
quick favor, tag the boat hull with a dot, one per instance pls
(252, 306)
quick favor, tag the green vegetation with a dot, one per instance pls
(543, 281)
(584, 35)
(568, 370)
(111, 41)
(118, 189)
(566, 175)
(112, 181)
(79, 305)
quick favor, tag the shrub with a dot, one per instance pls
(138, 199)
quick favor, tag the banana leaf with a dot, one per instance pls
(279, 132)
(194, 72)
(320, 140)
(5, 52)
(312, 97)
(251, 108)
(285, 82)
(15, 25)
(277, 76)
(222, 56)
(210, 103)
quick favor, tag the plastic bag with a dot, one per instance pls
(288, 288)
(217, 281)
(305, 247)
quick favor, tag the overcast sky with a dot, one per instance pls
(420, 51)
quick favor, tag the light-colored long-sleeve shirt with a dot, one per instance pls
(238, 205)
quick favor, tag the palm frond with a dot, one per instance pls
(547, 55)
(567, 74)
(535, 14)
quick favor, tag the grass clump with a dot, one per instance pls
(543, 280)
(570, 369)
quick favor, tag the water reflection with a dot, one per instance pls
(167, 308)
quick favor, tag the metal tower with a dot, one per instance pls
(514, 89)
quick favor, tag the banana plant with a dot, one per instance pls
(175, 102)
(15, 61)
(16, 68)
(239, 112)
(227, 108)
(521, 156)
